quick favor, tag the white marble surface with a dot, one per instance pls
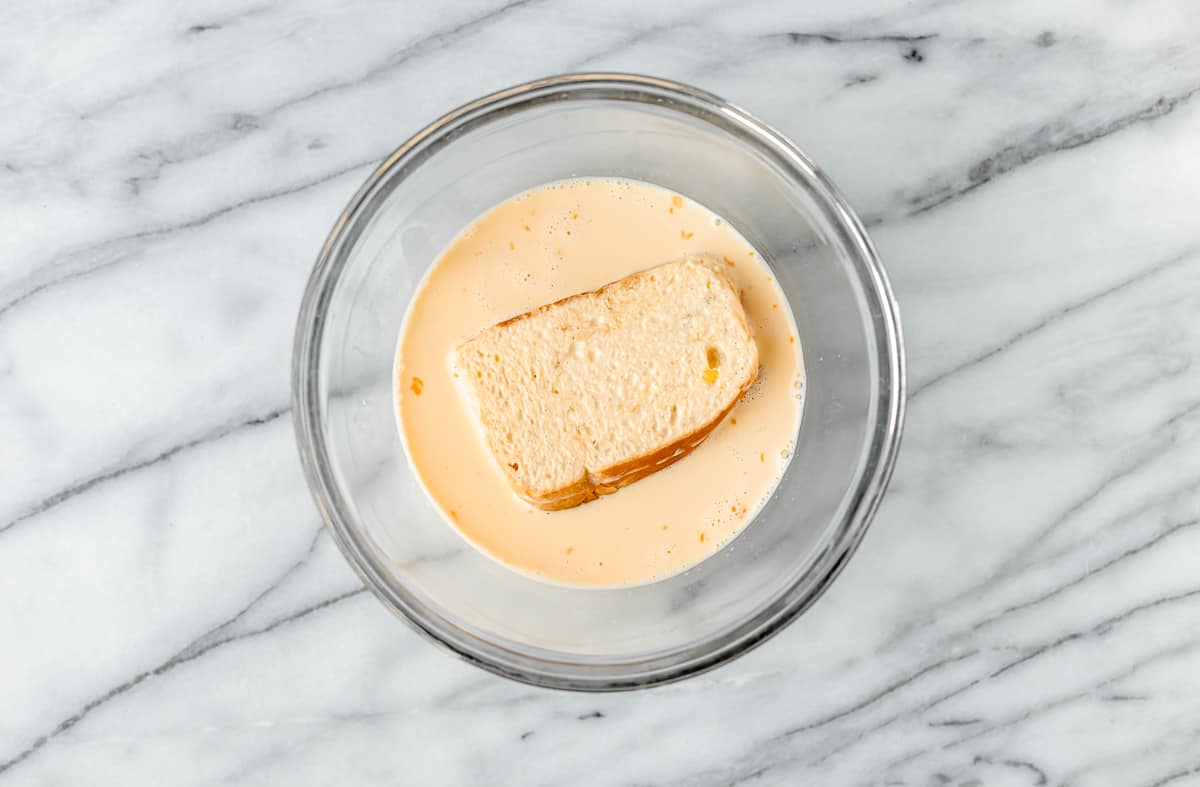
(1025, 610)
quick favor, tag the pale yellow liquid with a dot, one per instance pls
(541, 246)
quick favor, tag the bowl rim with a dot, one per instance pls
(879, 458)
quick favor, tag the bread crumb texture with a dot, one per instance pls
(582, 396)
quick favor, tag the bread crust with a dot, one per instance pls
(594, 485)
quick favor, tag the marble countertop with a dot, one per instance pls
(1024, 610)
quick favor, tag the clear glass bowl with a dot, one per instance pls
(417, 201)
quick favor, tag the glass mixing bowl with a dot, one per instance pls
(417, 201)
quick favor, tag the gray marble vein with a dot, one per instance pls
(80, 486)
(1023, 611)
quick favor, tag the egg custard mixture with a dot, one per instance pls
(537, 248)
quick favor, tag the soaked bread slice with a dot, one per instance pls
(585, 395)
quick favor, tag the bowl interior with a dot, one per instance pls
(417, 203)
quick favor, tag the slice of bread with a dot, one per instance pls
(590, 393)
